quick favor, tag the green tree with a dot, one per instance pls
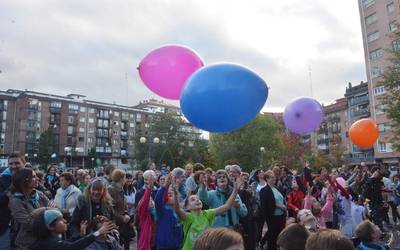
(47, 146)
(244, 145)
(292, 150)
(391, 82)
(176, 146)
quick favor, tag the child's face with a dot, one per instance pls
(60, 226)
(194, 203)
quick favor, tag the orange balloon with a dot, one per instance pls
(364, 133)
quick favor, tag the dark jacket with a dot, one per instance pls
(52, 185)
(83, 211)
(268, 205)
(373, 191)
(54, 243)
(21, 209)
(117, 193)
(5, 182)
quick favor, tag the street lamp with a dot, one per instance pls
(92, 159)
(68, 150)
(143, 140)
(262, 151)
(27, 157)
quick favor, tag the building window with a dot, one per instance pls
(81, 139)
(92, 111)
(393, 26)
(71, 119)
(396, 44)
(390, 7)
(73, 108)
(384, 147)
(4, 115)
(116, 113)
(90, 130)
(380, 90)
(70, 130)
(90, 140)
(370, 19)
(132, 125)
(91, 120)
(376, 72)
(383, 127)
(373, 36)
(82, 119)
(138, 117)
(82, 130)
(83, 109)
(131, 115)
(124, 116)
(55, 105)
(367, 3)
(375, 54)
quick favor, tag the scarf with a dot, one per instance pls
(64, 195)
(33, 198)
(7, 172)
(50, 177)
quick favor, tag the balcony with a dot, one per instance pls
(102, 133)
(323, 141)
(360, 112)
(359, 100)
(33, 107)
(55, 110)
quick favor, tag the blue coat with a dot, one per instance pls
(169, 229)
(217, 198)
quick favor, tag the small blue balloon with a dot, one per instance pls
(223, 97)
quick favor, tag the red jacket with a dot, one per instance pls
(295, 200)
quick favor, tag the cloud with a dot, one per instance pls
(93, 47)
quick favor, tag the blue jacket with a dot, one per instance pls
(169, 229)
(217, 198)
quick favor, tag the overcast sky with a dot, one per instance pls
(92, 47)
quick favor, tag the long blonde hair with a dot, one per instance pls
(106, 199)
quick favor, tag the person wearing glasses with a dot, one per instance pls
(273, 210)
(218, 197)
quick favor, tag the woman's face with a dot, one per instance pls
(64, 183)
(86, 180)
(161, 181)
(96, 193)
(222, 181)
(129, 181)
(52, 171)
(34, 181)
(271, 180)
(261, 175)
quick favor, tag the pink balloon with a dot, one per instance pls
(166, 69)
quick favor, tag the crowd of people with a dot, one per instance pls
(195, 207)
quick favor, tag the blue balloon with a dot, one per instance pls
(223, 97)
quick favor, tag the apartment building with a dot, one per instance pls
(332, 133)
(358, 108)
(379, 21)
(79, 125)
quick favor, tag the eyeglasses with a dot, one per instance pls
(221, 177)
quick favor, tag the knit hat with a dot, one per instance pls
(51, 215)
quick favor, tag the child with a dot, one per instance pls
(358, 211)
(295, 199)
(197, 220)
(104, 242)
(169, 229)
(321, 214)
(219, 239)
(369, 234)
(49, 226)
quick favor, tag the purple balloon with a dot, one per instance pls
(303, 115)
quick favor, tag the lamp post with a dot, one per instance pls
(143, 140)
(92, 159)
(68, 150)
(27, 157)
(262, 151)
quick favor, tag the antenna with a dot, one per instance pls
(127, 87)
(310, 76)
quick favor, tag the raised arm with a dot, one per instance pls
(228, 205)
(179, 211)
